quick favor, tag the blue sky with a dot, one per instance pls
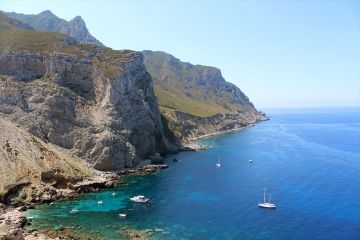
(280, 53)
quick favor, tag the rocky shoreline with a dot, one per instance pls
(13, 221)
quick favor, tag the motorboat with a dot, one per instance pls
(113, 194)
(73, 211)
(100, 202)
(139, 199)
(250, 161)
(122, 215)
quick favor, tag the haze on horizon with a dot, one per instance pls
(279, 53)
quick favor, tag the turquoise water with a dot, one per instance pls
(309, 159)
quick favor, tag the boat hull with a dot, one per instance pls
(267, 205)
(139, 200)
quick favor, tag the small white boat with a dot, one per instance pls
(100, 202)
(122, 215)
(113, 194)
(51, 203)
(218, 164)
(250, 161)
(139, 199)
(73, 211)
(267, 204)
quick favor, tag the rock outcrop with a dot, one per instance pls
(103, 108)
(185, 128)
(47, 21)
(28, 162)
(94, 101)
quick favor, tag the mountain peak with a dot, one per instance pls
(78, 21)
(47, 13)
(48, 21)
(78, 18)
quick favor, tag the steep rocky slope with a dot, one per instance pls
(27, 160)
(94, 101)
(182, 89)
(47, 21)
(196, 100)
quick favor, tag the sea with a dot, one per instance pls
(307, 159)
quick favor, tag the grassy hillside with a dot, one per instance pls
(194, 89)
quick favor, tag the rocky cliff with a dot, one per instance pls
(47, 21)
(180, 87)
(96, 102)
(27, 160)
(196, 100)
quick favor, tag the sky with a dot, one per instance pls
(290, 53)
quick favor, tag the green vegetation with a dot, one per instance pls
(29, 40)
(13, 38)
(173, 99)
(194, 89)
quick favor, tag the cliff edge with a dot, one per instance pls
(96, 102)
(195, 100)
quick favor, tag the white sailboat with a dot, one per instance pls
(267, 204)
(218, 164)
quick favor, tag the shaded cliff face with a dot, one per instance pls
(94, 101)
(196, 100)
(47, 21)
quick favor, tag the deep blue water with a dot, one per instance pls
(309, 159)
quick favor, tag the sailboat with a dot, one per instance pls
(267, 204)
(218, 164)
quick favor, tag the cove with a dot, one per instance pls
(308, 159)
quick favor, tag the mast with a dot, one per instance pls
(270, 198)
(264, 194)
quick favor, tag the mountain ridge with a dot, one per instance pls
(180, 87)
(48, 21)
(195, 100)
(200, 83)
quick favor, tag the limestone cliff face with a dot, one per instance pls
(100, 105)
(183, 128)
(196, 100)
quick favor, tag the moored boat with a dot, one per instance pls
(267, 204)
(139, 199)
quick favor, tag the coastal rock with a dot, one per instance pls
(11, 225)
(156, 159)
(196, 100)
(102, 108)
(187, 128)
(66, 109)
